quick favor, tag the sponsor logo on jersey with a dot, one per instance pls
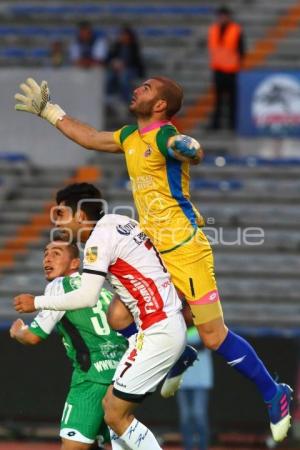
(166, 284)
(127, 228)
(113, 436)
(142, 182)
(140, 340)
(140, 238)
(112, 351)
(91, 255)
(213, 296)
(148, 151)
(146, 292)
(75, 282)
(119, 383)
(107, 364)
(101, 439)
(67, 346)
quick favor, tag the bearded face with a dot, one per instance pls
(142, 107)
(144, 99)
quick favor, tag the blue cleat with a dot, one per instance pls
(175, 375)
(279, 412)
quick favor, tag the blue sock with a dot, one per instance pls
(128, 331)
(241, 355)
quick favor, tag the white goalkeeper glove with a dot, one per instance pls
(36, 101)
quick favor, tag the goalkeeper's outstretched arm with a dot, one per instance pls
(36, 100)
(87, 136)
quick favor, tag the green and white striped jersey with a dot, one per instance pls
(93, 347)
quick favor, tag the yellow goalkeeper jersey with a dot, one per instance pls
(160, 185)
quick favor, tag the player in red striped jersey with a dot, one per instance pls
(116, 247)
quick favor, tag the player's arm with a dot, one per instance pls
(118, 315)
(92, 279)
(87, 136)
(42, 325)
(36, 100)
(21, 333)
(86, 296)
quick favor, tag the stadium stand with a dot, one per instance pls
(27, 28)
(25, 224)
(24, 213)
(241, 198)
(12, 167)
(252, 192)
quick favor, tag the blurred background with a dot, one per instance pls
(92, 53)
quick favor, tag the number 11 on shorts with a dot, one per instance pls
(66, 413)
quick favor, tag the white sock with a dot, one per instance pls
(139, 437)
(116, 443)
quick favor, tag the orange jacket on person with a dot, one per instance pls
(224, 50)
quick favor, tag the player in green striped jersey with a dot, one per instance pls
(93, 347)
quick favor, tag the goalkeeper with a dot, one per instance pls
(158, 160)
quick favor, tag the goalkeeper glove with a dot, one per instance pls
(184, 145)
(36, 101)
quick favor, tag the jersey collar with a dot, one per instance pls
(154, 125)
(74, 274)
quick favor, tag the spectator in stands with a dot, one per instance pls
(193, 396)
(124, 65)
(226, 51)
(88, 50)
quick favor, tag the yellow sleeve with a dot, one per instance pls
(117, 138)
(122, 134)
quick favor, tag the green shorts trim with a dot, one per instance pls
(83, 412)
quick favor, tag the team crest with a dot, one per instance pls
(139, 341)
(75, 282)
(148, 151)
(91, 255)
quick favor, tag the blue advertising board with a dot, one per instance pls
(269, 103)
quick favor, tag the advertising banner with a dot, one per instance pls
(269, 104)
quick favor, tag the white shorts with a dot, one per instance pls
(149, 358)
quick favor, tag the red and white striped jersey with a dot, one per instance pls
(119, 248)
